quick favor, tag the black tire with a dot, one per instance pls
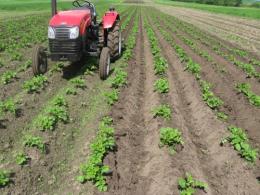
(114, 41)
(104, 63)
(39, 60)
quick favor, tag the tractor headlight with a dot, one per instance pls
(74, 32)
(51, 33)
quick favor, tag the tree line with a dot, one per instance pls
(216, 2)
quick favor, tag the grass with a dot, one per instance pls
(247, 12)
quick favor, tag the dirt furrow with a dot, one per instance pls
(225, 171)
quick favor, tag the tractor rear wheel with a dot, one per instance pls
(39, 60)
(114, 41)
(104, 63)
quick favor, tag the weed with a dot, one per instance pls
(187, 185)
(8, 76)
(4, 178)
(35, 84)
(170, 137)
(34, 141)
(112, 97)
(162, 111)
(162, 85)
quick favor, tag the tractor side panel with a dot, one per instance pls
(84, 25)
(109, 19)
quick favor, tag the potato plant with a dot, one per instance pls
(36, 84)
(8, 77)
(245, 88)
(34, 141)
(4, 178)
(161, 85)
(163, 111)
(170, 137)
(188, 185)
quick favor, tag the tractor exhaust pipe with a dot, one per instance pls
(53, 7)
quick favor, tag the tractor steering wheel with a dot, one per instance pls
(82, 3)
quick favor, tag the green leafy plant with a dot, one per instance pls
(193, 67)
(187, 185)
(170, 137)
(222, 116)
(94, 170)
(161, 85)
(35, 84)
(8, 106)
(120, 78)
(34, 141)
(71, 91)
(112, 97)
(160, 65)
(208, 96)
(163, 111)
(25, 66)
(239, 140)
(4, 178)
(8, 76)
(78, 83)
(21, 158)
(245, 88)
(57, 67)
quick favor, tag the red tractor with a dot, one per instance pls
(76, 33)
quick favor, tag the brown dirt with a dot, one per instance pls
(221, 26)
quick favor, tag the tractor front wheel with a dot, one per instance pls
(104, 63)
(39, 60)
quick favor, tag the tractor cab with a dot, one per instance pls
(75, 33)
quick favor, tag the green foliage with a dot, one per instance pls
(160, 65)
(170, 137)
(163, 111)
(8, 106)
(57, 67)
(8, 76)
(71, 91)
(120, 78)
(245, 88)
(161, 85)
(4, 178)
(34, 141)
(112, 97)
(239, 140)
(25, 66)
(222, 116)
(208, 96)
(78, 83)
(15, 56)
(188, 184)
(57, 111)
(193, 67)
(35, 84)
(1, 63)
(93, 170)
(21, 158)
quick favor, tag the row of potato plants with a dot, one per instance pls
(247, 67)
(169, 137)
(93, 169)
(215, 103)
(253, 98)
(209, 41)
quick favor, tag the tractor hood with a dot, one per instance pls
(70, 18)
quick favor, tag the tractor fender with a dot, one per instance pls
(109, 19)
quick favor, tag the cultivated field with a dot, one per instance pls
(179, 114)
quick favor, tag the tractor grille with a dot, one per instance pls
(62, 32)
(69, 46)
